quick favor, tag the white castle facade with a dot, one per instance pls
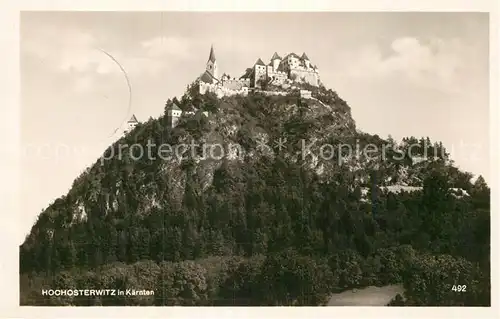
(291, 68)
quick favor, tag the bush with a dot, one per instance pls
(182, 283)
(290, 279)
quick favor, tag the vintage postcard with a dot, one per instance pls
(255, 158)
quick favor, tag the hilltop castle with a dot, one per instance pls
(279, 71)
(291, 68)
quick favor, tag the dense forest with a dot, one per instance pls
(269, 227)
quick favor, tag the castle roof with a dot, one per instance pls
(259, 62)
(133, 119)
(281, 67)
(207, 78)
(292, 55)
(304, 56)
(175, 107)
(211, 57)
(275, 56)
(247, 74)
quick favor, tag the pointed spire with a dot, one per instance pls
(304, 56)
(260, 62)
(211, 57)
(275, 56)
(133, 119)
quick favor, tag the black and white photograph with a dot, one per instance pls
(229, 159)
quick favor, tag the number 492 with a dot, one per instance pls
(459, 288)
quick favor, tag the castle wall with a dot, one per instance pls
(173, 120)
(204, 87)
(306, 94)
(309, 76)
(277, 77)
(235, 84)
(221, 91)
(282, 93)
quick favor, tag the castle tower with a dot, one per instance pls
(212, 64)
(259, 72)
(173, 115)
(306, 60)
(131, 124)
(275, 60)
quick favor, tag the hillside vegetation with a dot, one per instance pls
(264, 225)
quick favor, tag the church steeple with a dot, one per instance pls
(212, 63)
(211, 57)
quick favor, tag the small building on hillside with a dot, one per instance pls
(305, 94)
(131, 124)
(173, 115)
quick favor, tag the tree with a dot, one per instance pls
(183, 283)
(290, 279)
(430, 281)
(347, 265)
(242, 285)
(391, 270)
(480, 193)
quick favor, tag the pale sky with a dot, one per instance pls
(421, 74)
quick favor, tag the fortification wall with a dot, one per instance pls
(305, 94)
(272, 92)
(236, 84)
(277, 77)
(221, 91)
(308, 76)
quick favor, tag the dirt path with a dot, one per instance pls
(370, 296)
